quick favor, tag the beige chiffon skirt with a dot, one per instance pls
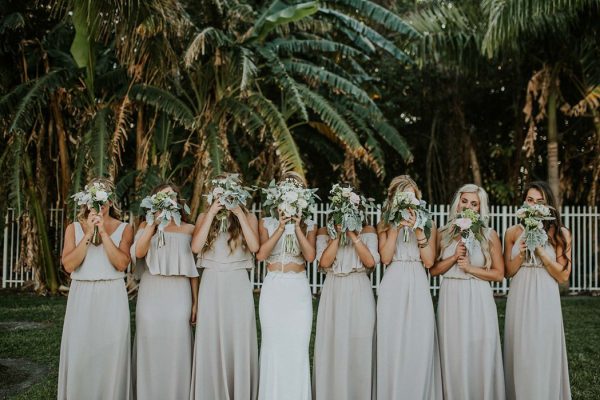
(96, 342)
(344, 360)
(535, 356)
(408, 359)
(470, 352)
(226, 352)
(162, 352)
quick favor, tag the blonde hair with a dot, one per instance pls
(484, 212)
(236, 237)
(399, 184)
(114, 210)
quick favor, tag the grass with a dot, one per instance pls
(42, 345)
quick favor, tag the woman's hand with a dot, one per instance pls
(410, 222)
(464, 264)
(461, 250)
(214, 209)
(193, 315)
(90, 221)
(283, 220)
(99, 222)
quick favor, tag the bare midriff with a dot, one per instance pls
(290, 267)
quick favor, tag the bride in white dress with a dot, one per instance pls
(285, 309)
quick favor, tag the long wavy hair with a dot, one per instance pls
(236, 237)
(484, 212)
(399, 184)
(557, 239)
(114, 209)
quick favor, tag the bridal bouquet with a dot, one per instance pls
(290, 199)
(230, 193)
(399, 210)
(469, 225)
(94, 196)
(163, 207)
(347, 210)
(532, 218)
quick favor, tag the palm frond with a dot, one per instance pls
(25, 100)
(337, 84)
(508, 20)
(377, 14)
(364, 32)
(288, 85)
(343, 132)
(287, 150)
(209, 38)
(320, 45)
(165, 101)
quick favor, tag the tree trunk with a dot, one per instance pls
(140, 147)
(47, 257)
(553, 172)
(63, 151)
(474, 162)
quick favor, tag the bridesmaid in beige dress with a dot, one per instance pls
(408, 359)
(468, 332)
(344, 360)
(226, 350)
(95, 347)
(535, 356)
(165, 311)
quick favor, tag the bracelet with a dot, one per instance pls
(423, 245)
(356, 240)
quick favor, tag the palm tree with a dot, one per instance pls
(558, 31)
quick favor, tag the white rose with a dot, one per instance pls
(354, 198)
(101, 195)
(346, 192)
(218, 191)
(302, 203)
(290, 196)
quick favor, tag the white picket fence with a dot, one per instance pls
(584, 223)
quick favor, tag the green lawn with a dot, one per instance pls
(40, 343)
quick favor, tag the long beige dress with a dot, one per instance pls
(226, 351)
(95, 346)
(470, 352)
(535, 355)
(162, 352)
(344, 360)
(408, 358)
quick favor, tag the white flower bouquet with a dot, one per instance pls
(94, 196)
(399, 210)
(230, 193)
(469, 225)
(162, 208)
(347, 210)
(532, 218)
(290, 199)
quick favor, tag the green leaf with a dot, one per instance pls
(164, 101)
(280, 13)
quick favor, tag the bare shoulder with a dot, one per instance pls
(566, 233)
(188, 228)
(368, 229)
